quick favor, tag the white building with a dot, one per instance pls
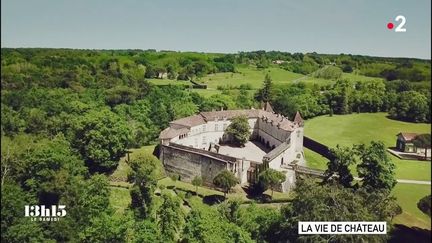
(198, 135)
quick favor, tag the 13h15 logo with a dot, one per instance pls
(43, 213)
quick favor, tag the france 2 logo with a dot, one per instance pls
(401, 26)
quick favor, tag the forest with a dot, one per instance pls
(68, 116)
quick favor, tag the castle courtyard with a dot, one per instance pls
(252, 151)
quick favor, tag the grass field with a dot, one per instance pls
(407, 196)
(254, 77)
(251, 76)
(119, 199)
(352, 129)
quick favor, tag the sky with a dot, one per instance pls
(223, 26)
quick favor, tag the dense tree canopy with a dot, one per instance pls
(68, 115)
(338, 167)
(102, 138)
(334, 203)
(375, 168)
(143, 176)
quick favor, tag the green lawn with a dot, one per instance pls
(352, 129)
(157, 81)
(249, 75)
(119, 199)
(254, 77)
(236, 193)
(407, 196)
(315, 160)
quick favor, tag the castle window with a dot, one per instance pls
(282, 161)
(204, 141)
(204, 128)
(298, 134)
(216, 127)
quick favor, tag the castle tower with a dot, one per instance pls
(267, 107)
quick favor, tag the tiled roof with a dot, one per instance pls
(277, 151)
(278, 120)
(408, 136)
(268, 107)
(266, 114)
(190, 121)
(229, 114)
(170, 132)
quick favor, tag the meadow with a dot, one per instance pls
(407, 196)
(347, 130)
(253, 77)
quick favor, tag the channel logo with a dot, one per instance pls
(43, 213)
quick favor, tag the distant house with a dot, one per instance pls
(278, 61)
(404, 142)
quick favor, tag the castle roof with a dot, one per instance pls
(170, 132)
(266, 114)
(277, 120)
(190, 121)
(277, 151)
(229, 114)
(267, 107)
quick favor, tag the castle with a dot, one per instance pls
(194, 146)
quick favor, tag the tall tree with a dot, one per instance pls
(375, 168)
(265, 93)
(238, 130)
(271, 178)
(143, 177)
(338, 166)
(170, 217)
(423, 141)
(333, 202)
(102, 138)
(225, 180)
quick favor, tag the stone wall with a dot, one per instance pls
(188, 163)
